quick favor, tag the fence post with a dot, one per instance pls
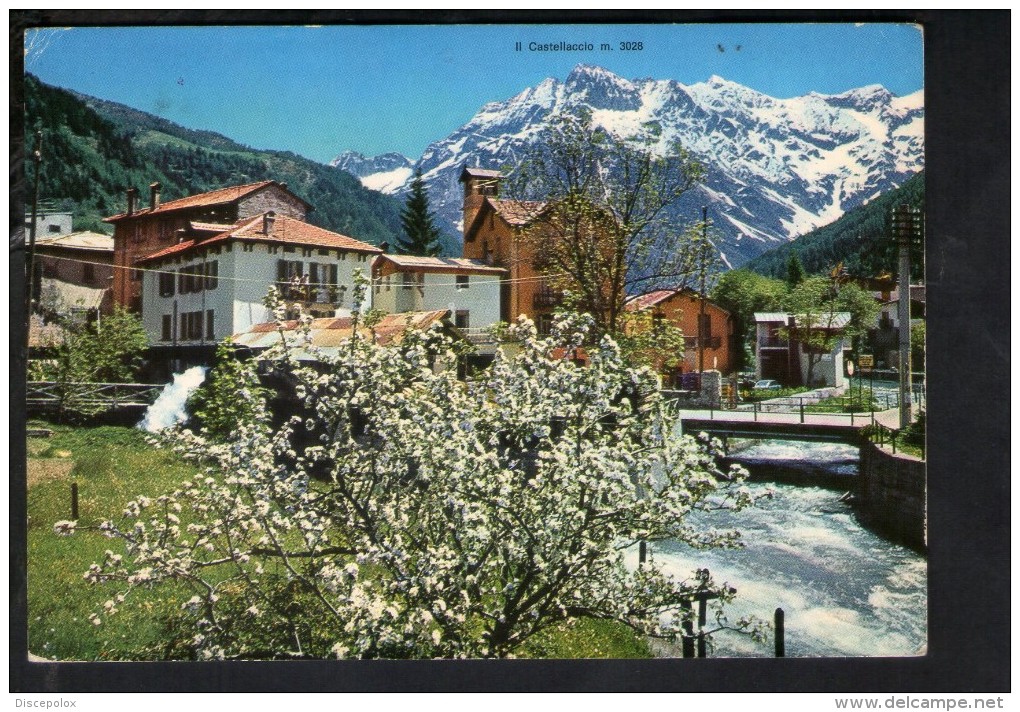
(74, 501)
(688, 637)
(780, 625)
(754, 407)
(801, 409)
(702, 619)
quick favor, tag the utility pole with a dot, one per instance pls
(702, 331)
(906, 224)
(37, 159)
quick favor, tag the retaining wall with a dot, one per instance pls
(891, 494)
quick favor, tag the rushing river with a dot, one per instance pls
(845, 590)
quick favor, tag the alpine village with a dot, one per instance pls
(573, 402)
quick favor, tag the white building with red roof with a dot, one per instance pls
(141, 231)
(211, 283)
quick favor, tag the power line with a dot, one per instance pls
(519, 280)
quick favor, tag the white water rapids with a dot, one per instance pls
(845, 590)
(169, 409)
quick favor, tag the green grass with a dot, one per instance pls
(113, 465)
(762, 394)
(843, 404)
(587, 638)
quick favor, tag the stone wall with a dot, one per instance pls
(892, 494)
(711, 389)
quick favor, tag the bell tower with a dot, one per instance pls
(479, 184)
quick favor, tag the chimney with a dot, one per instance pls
(267, 222)
(132, 198)
(283, 185)
(154, 190)
(384, 246)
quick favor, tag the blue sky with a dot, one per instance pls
(320, 90)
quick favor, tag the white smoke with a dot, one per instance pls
(168, 410)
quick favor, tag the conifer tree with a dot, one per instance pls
(421, 236)
(794, 271)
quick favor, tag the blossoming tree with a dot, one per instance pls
(403, 513)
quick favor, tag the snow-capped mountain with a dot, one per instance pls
(386, 173)
(776, 168)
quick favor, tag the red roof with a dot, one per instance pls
(223, 196)
(332, 332)
(479, 173)
(649, 300)
(285, 230)
(517, 212)
(644, 301)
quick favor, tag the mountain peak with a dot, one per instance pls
(601, 89)
(777, 167)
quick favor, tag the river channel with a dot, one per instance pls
(845, 590)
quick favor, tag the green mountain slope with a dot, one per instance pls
(94, 150)
(859, 239)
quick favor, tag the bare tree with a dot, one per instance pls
(601, 224)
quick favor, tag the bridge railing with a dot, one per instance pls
(804, 410)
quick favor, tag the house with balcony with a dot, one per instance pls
(801, 350)
(708, 329)
(142, 231)
(211, 283)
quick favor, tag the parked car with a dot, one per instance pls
(767, 384)
(746, 380)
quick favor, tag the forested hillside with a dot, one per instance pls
(860, 240)
(93, 150)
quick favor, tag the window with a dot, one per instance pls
(247, 247)
(290, 279)
(463, 281)
(462, 319)
(323, 253)
(210, 332)
(88, 272)
(190, 279)
(323, 281)
(545, 324)
(191, 325)
(166, 284)
(407, 280)
(212, 273)
(54, 228)
(705, 326)
(168, 325)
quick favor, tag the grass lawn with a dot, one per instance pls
(113, 465)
